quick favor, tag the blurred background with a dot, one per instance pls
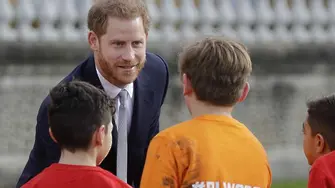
(290, 41)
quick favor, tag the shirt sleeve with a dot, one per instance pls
(317, 178)
(122, 185)
(270, 177)
(106, 181)
(161, 165)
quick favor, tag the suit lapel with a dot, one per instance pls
(142, 104)
(89, 74)
(143, 96)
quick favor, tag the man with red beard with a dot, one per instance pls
(136, 79)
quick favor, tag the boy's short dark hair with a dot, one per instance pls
(321, 118)
(77, 109)
(218, 69)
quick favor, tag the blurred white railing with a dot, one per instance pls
(251, 21)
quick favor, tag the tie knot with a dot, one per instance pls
(122, 95)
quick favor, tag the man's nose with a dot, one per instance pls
(129, 54)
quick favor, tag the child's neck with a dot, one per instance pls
(77, 158)
(199, 109)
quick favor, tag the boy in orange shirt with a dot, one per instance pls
(319, 142)
(80, 122)
(213, 149)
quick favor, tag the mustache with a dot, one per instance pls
(127, 63)
(120, 62)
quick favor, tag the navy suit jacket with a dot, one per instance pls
(150, 89)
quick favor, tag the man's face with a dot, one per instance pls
(121, 50)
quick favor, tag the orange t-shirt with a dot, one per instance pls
(209, 151)
(70, 176)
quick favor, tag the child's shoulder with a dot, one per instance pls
(108, 179)
(40, 179)
(181, 127)
(324, 161)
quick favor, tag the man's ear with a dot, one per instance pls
(245, 92)
(320, 144)
(51, 135)
(93, 41)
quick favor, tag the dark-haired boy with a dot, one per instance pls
(319, 141)
(80, 123)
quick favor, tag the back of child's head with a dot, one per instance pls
(217, 68)
(321, 118)
(77, 109)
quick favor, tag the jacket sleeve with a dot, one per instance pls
(155, 126)
(45, 151)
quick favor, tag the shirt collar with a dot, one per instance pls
(113, 90)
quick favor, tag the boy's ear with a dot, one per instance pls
(99, 135)
(187, 87)
(320, 144)
(245, 92)
(51, 135)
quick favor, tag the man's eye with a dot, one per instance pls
(137, 43)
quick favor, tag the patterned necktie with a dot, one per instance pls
(122, 146)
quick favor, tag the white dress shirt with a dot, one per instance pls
(113, 91)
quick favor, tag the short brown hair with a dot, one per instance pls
(101, 10)
(218, 69)
(321, 118)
